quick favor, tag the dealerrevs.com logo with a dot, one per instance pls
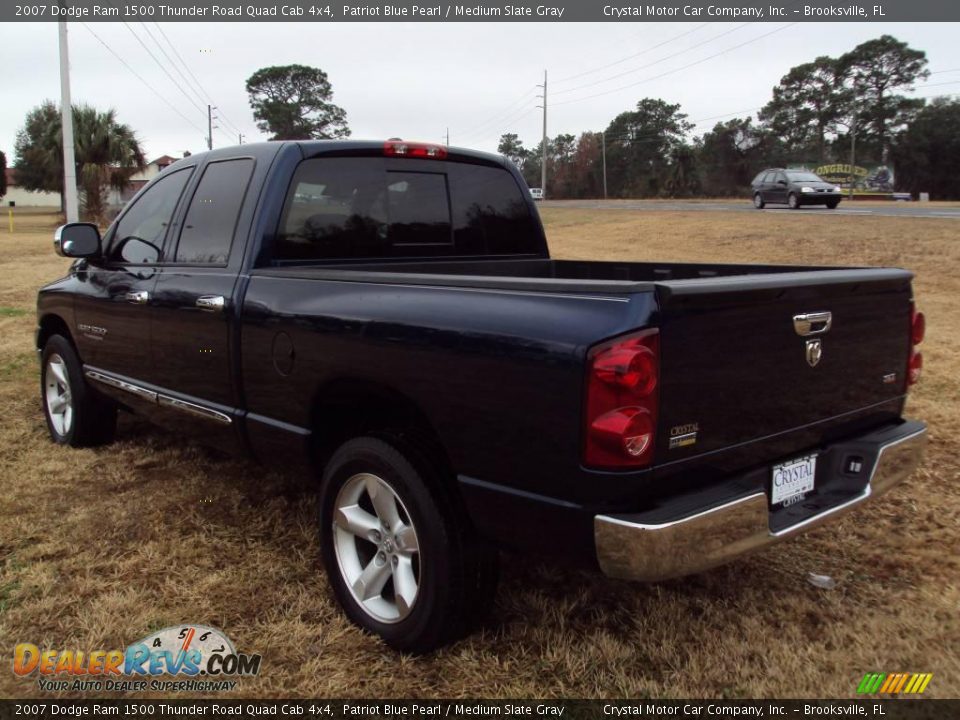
(192, 658)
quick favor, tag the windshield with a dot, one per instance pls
(803, 176)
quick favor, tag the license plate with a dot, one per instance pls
(792, 480)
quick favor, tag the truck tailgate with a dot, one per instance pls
(736, 366)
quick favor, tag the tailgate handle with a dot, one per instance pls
(812, 323)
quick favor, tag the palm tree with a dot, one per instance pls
(107, 154)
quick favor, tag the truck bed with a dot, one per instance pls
(578, 276)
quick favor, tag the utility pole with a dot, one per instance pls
(603, 141)
(853, 152)
(448, 137)
(543, 160)
(210, 126)
(66, 120)
(241, 138)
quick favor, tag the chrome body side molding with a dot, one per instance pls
(122, 385)
(159, 398)
(194, 409)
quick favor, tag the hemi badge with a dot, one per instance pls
(679, 441)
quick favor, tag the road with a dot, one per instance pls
(892, 209)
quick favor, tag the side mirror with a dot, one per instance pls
(134, 251)
(781, 182)
(77, 240)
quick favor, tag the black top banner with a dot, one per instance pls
(613, 11)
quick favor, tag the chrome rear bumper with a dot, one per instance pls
(711, 537)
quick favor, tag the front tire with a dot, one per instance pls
(75, 414)
(793, 201)
(833, 205)
(758, 202)
(401, 557)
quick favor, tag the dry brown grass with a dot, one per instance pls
(100, 546)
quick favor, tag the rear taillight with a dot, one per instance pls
(621, 402)
(918, 328)
(400, 148)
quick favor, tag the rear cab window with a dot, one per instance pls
(208, 228)
(343, 208)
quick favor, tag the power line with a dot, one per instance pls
(630, 57)
(505, 124)
(676, 70)
(203, 93)
(140, 78)
(207, 98)
(498, 116)
(162, 68)
(655, 62)
(926, 85)
(172, 63)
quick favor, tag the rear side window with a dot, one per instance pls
(211, 219)
(491, 212)
(341, 208)
(149, 217)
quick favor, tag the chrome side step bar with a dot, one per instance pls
(159, 398)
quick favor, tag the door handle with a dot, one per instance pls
(137, 297)
(211, 303)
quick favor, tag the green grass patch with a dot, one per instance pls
(12, 311)
(7, 592)
(17, 366)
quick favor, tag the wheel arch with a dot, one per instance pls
(52, 324)
(347, 408)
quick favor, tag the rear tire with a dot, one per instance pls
(832, 205)
(398, 549)
(76, 415)
(793, 201)
(758, 202)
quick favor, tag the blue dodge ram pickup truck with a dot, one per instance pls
(386, 318)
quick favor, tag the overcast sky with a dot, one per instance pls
(416, 80)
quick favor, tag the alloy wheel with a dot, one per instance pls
(59, 399)
(376, 547)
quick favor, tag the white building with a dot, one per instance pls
(116, 199)
(24, 198)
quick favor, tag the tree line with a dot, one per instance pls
(816, 112)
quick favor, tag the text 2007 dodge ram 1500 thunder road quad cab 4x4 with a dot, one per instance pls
(389, 315)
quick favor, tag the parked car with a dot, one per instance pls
(385, 319)
(536, 193)
(794, 188)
